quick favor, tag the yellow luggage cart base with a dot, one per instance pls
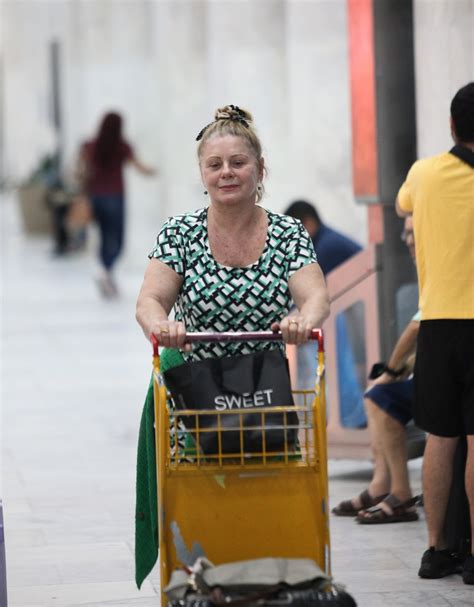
(243, 507)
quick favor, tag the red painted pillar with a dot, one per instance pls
(363, 111)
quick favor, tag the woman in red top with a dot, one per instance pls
(103, 159)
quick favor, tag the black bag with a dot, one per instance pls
(246, 384)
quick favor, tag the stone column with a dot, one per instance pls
(109, 59)
(27, 30)
(179, 63)
(247, 67)
(319, 152)
(444, 61)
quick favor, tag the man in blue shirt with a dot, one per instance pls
(332, 248)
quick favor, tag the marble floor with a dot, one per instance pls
(74, 368)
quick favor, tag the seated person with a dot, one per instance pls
(388, 403)
(332, 249)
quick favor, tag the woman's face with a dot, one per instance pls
(230, 172)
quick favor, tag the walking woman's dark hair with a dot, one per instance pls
(109, 139)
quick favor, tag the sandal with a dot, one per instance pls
(401, 512)
(347, 508)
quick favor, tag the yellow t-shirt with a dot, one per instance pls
(439, 191)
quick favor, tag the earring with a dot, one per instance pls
(205, 192)
(259, 187)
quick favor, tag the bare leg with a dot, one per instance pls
(380, 483)
(392, 441)
(437, 477)
(469, 482)
(391, 438)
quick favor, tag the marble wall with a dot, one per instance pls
(167, 64)
(444, 62)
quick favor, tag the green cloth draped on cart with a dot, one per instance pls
(146, 510)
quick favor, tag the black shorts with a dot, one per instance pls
(395, 398)
(444, 377)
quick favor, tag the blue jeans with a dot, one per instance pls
(109, 212)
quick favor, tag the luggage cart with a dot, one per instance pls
(231, 507)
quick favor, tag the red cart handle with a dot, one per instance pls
(231, 336)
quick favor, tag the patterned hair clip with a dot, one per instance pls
(239, 118)
(201, 132)
(238, 110)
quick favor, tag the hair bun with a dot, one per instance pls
(232, 112)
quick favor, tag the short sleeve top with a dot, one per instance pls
(108, 180)
(439, 192)
(214, 297)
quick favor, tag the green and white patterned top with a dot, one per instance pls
(214, 297)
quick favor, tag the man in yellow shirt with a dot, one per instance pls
(439, 193)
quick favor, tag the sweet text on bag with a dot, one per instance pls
(260, 398)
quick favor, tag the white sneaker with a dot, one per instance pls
(107, 286)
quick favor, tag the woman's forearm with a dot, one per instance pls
(149, 312)
(157, 296)
(316, 308)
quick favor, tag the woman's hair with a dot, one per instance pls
(462, 112)
(109, 139)
(232, 120)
